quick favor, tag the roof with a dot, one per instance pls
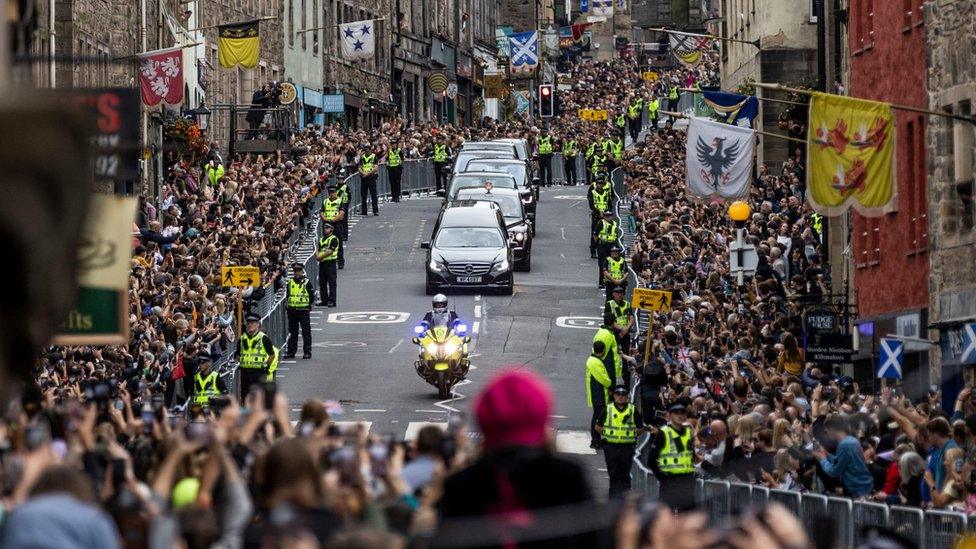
(470, 213)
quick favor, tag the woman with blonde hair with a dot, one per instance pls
(782, 437)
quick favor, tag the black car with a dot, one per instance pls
(482, 180)
(517, 223)
(518, 170)
(469, 249)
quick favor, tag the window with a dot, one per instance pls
(291, 23)
(315, 25)
(907, 14)
(962, 154)
(304, 25)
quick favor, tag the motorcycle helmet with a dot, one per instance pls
(440, 303)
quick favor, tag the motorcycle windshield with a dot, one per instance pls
(440, 326)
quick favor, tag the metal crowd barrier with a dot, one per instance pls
(868, 514)
(941, 529)
(909, 522)
(790, 500)
(417, 176)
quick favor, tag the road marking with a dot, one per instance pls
(348, 426)
(339, 344)
(430, 411)
(455, 396)
(475, 327)
(562, 231)
(370, 410)
(289, 361)
(316, 329)
(477, 311)
(563, 256)
(378, 279)
(280, 369)
(574, 442)
(580, 322)
(477, 298)
(367, 317)
(558, 417)
(395, 346)
(414, 427)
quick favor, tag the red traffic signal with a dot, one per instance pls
(546, 103)
(546, 91)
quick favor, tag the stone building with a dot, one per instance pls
(303, 44)
(951, 88)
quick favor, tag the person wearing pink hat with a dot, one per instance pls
(518, 475)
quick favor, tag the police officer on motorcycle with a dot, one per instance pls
(439, 304)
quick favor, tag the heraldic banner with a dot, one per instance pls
(719, 159)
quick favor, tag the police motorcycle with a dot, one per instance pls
(443, 358)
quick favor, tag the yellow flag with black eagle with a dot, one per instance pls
(239, 44)
(850, 155)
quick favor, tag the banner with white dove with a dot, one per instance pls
(358, 39)
(525, 52)
(718, 159)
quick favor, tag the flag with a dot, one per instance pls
(358, 39)
(603, 8)
(525, 51)
(579, 30)
(161, 76)
(850, 146)
(686, 47)
(239, 44)
(621, 4)
(719, 159)
(584, 6)
(732, 108)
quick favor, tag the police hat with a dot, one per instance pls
(606, 213)
(331, 188)
(204, 358)
(677, 407)
(297, 265)
(620, 389)
(251, 317)
(616, 248)
(327, 226)
(618, 289)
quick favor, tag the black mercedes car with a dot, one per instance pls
(470, 249)
(517, 222)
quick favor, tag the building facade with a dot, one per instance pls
(303, 45)
(951, 86)
(890, 253)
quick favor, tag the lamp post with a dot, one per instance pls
(739, 213)
(201, 115)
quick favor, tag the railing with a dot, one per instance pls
(721, 500)
(417, 177)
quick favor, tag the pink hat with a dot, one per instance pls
(513, 409)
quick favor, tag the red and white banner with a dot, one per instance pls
(161, 76)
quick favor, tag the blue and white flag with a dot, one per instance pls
(603, 8)
(732, 108)
(968, 355)
(584, 6)
(890, 358)
(525, 51)
(358, 39)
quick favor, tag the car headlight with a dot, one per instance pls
(501, 266)
(435, 266)
(520, 236)
(431, 348)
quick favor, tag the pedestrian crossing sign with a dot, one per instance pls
(598, 115)
(890, 359)
(649, 76)
(651, 300)
(968, 355)
(240, 277)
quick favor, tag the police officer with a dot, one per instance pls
(334, 215)
(207, 383)
(615, 271)
(257, 355)
(616, 156)
(607, 235)
(618, 314)
(441, 152)
(599, 202)
(367, 180)
(298, 307)
(671, 459)
(599, 378)
(673, 98)
(621, 123)
(544, 148)
(342, 229)
(589, 151)
(570, 151)
(613, 360)
(394, 168)
(620, 424)
(327, 255)
(652, 107)
(635, 112)
(598, 161)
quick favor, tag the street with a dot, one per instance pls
(363, 356)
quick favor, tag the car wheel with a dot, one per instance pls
(508, 290)
(431, 290)
(526, 264)
(535, 221)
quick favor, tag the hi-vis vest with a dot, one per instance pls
(255, 357)
(618, 148)
(620, 312)
(590, 150)
(545, 145)
(653, 106)
(674, 461)
(619, 426)
(673, 94)
(205, 388)
(366, 163)
(598, 161)
(620, 120)
(569, 148)
(332, 207)
(634, 109)
(440, 153)
(331, 241)
(608, 231)
(596, 369)
(599, 200)
(818, 224)
(616, 267)
(394, 158)
(298, 297)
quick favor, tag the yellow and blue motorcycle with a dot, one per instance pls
(443, 360)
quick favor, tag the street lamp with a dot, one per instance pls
(202, 116)
(739, 213)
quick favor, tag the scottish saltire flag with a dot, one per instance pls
(732, 108)
(358, 39)
(525, 51)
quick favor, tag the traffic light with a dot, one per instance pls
(546, 100)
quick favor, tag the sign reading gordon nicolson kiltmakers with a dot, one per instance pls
(829, 348)
(100, 312)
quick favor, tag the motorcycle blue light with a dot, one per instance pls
(418, 330)
(462, 329)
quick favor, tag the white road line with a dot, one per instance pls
(477, 298)
(350, 425)
(368, 410)
(562, 231)
(414, 427)
(558, 417)
(477, 311)
(475, 327)
(289, 361)
(316, 329)
(395, 346)
(574, 442)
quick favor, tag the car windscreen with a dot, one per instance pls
(469, 237)
(511, 206)
(467, 181)
(467, 156)
(516, 170)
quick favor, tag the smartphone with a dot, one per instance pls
(37, 435)
(270, 391)
(198, 431)
(119, 404)
(148, 416)
(378, 452)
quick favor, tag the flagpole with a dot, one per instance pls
(770, 134)
(302, 31)
(265, 18)
(782, 88)
(712, 36)
(131, 56)
(693, 90)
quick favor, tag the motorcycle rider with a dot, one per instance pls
(439, 307)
